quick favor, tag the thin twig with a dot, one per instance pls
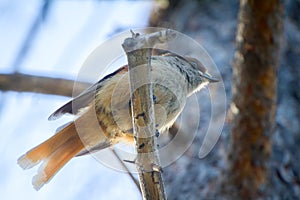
(31, 35)
(136, 182)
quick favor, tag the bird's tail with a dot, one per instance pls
(54, 153)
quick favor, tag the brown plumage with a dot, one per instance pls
(54, 153)
(103, 112)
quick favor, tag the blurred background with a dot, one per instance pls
(52, 38)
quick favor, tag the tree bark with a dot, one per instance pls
(254, 90)
(138, 50)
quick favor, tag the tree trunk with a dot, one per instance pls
(254, 90)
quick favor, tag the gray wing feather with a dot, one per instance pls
(94, 149)
(79, 102)
(84, 99)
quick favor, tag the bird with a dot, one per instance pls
(103, 114)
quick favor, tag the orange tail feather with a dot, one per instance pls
(55, 153)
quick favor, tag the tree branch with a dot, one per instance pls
(138, 49)
(45, 85)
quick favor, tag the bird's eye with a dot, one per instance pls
(194, 64)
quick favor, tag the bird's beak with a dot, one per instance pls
(209, 78)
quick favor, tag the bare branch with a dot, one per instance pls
(138, 50)
(46, 85)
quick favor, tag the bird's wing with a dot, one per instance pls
(85, 98)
